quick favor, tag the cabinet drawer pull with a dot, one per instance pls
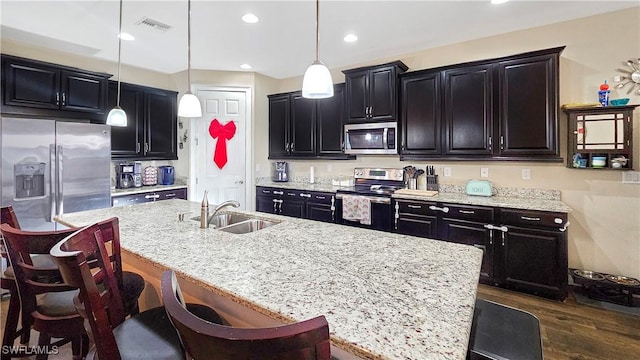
(170, 195)
(320, 197)
(564, 228)
(266, 192)
(278, 192)
(414, 206)
(304, 195)
(530, 218)
(154, 196)
(291, 194)
(443, 209)
(466, 211)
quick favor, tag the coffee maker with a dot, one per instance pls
(280, 171)
(124, 175)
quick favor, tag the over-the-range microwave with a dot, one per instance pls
(371, 138)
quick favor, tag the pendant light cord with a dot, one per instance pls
(189, 46)
(317, 29)
(119, 52)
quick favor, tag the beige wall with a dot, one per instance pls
(605, 223)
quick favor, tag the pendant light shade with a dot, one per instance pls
(117, 116)
(317, 82)
(189, 105)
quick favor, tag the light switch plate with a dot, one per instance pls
(447, 171)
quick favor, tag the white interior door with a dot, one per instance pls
(222, 181)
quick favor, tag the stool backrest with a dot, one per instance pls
(84, 262)
(202, 340)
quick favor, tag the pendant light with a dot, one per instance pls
(317, 83)
(117, 116)
(189, 104)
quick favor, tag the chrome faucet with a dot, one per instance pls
(205, 219)
(221, 206)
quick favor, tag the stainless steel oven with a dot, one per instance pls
(371, 138)
(374, 188)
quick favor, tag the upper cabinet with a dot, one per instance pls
(372, 93)
(151, 131)
(307, 128)
(37, 88)
(498, 109)
(600, 137)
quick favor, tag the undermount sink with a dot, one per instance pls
(237, 223)
(248, 226)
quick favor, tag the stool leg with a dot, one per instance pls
(43, 341)
(11, 325)
(80, 347)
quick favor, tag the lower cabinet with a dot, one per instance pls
(523, 250)
(296, 203)
(150, 196)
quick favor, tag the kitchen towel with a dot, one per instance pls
(356, 208)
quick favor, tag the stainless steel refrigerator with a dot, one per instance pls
(52, 167)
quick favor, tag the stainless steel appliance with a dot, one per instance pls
(371, 138)
(376, 186)
(124, 175)
(137, 174)
(280, 171)
(53, 167)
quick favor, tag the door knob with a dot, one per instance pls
(239, 182)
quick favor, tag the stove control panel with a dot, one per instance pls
(379, 174)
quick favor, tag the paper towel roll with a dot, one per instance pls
(312, 177)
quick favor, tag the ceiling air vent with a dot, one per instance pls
(154, 24)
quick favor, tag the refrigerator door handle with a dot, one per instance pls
(52, 176)
(60, 193)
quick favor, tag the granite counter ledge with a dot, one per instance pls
(385, 296)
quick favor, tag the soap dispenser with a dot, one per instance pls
(204, 212)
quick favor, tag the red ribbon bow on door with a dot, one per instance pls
(223, 133)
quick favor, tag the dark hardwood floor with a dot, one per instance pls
(570, 331)
(573, 331)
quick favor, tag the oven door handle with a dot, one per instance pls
(373, 199)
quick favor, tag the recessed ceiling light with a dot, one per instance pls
(250, 18)
(498, 1)
(126, 36)
(350, 38)
(245, 66)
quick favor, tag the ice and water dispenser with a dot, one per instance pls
(29, 179)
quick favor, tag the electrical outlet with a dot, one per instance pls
(526, 174)
(329, 168)
(631, 177)
(484, 172)
(447, 171)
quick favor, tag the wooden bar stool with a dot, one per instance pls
(204, 340)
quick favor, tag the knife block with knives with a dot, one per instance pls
(432, 178)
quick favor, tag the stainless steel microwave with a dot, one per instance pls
(371, 138)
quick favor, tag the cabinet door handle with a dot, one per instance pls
(414, 206)
(490, 237)
(503, 238)
(57, 99)
(275, 205)
(501, 142)
(490, 144)
(564, 228)
(64, 99)
(305, 195)
(146, 147)
(397, 215)
(137, 147)
(278, 192)
(530, 218)
(443, 209)
(333, 208)
(466, 211)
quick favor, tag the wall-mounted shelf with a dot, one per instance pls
(600, 137)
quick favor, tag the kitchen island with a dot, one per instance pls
(385, 296)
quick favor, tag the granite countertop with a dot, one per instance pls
(385, 296)
(145, 189)
(526, 199)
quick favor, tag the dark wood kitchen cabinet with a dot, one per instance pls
(469, 225)
(497, 109)
(148, 196)
(420, 121)
(372, 92)
(151, 131)
(417, 218)
(320, 206)
(33, 87)
(280, 201)
(533, 252)
(307, 128)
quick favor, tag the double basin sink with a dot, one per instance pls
(238, 223)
